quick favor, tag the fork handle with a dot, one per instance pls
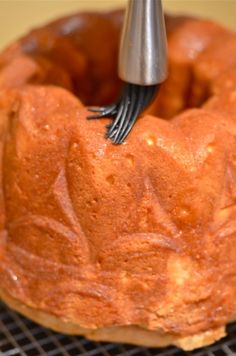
(143, 46)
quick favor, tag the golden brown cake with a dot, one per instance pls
(133, 243)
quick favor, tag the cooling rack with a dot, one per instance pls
(21, 337)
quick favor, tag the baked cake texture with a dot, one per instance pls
(133, 243)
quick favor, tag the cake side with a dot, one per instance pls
(96, 248)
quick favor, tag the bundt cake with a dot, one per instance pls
(133, 243)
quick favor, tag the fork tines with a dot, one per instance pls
(134, 100)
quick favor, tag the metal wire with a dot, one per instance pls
(134, 100)
(21, 337)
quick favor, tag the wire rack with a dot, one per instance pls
(20, 336)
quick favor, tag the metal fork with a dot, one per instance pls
(142, 66)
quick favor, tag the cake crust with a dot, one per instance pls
(126, 334)
(102, 240)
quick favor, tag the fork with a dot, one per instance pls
(142, 67)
